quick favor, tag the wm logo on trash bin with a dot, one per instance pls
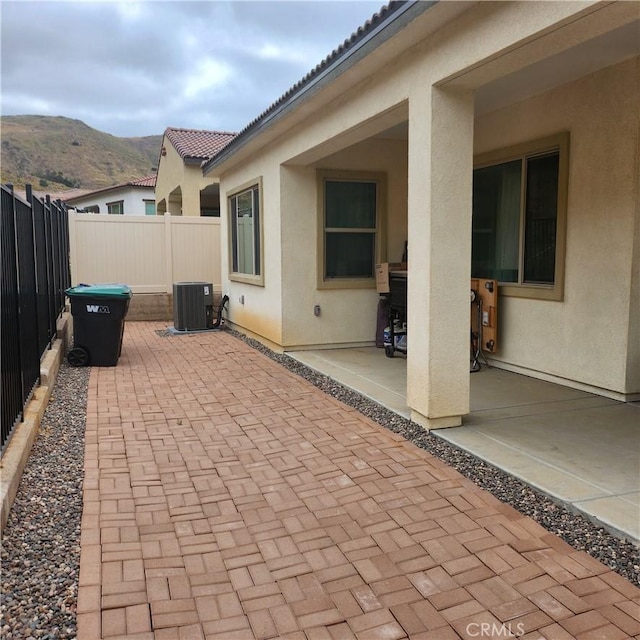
(95, 308)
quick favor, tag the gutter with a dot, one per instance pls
(389, 27)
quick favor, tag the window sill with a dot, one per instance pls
(532, 292)
(347, 283)
(247, 279)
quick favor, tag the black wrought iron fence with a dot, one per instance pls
(34, 273)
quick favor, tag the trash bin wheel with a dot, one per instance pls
(78, 357)
(388, 350)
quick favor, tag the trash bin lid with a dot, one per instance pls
(102, 290)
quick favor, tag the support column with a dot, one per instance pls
(439, 212)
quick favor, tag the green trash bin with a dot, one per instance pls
(98, 312)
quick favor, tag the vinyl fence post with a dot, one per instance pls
(73, 246)
(168, 250)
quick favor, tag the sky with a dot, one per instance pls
(136, 68)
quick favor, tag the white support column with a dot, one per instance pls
(440, 191)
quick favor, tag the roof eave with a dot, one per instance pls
(118, 187)
(382, 32)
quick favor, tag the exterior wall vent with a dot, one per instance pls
(192, 306)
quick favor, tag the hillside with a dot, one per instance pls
(54, 153)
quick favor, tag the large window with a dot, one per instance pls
(350, 228)
(245, 234)
(116, 208)
(519, 213)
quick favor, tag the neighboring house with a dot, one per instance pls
(134, 198)
(502, 140)
(181, 189)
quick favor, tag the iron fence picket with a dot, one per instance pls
(11, 384)
(51, 285)
(27, 299)
(35, 271)
(45, 334)
(55, 245)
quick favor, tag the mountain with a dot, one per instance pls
(54, 153)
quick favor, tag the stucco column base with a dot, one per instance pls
(435, 423)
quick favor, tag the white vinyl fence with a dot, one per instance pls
(148, 253)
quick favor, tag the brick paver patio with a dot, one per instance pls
(226, 498)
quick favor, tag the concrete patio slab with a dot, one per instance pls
(579, 448)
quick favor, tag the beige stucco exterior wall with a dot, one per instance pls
(633, 353)
(586, 337)
(256, 308)
(170, 170)
(347, 315)
(174, 172)
(431, 86)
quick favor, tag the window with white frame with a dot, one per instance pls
(350, 227)
(245, 233)
(519, 218)
(116, 208)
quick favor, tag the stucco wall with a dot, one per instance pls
(260, 311)
(490, 42)
(587, 336)
(170, 169)
(347, 315)
(174, 172)
(289, 218)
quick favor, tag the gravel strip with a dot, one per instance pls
(621, 556)
(40, 551)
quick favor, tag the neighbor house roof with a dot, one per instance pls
(196, 144)
(147, 181)
(77, 194)
(354, 48)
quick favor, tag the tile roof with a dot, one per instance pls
(198, 144)
(69, 194)
(147, 181)
(74, 194)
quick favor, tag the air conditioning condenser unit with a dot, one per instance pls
(192, 306)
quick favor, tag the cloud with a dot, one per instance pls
(134, 68)
(207, 74)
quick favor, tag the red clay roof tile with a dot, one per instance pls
(198, 144)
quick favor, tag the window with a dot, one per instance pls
(519, 214)
(210, 212)
(350, 228)
(116, 208)
(149, 207)
(245, 234)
